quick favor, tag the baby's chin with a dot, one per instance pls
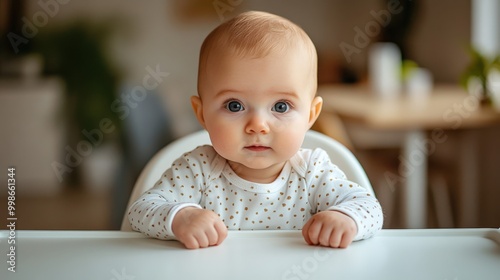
(250, 170)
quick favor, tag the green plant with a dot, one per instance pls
(77, 54)
(479, 68)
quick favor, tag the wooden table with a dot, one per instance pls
(392, 254)
(424, 120)
(448, 107)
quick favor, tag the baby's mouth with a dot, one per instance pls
(257, 148)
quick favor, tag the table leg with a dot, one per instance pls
(414, 165)
(469, 178)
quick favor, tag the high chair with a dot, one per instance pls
(338, 153)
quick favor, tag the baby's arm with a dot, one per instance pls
(347, 214)
(198, 228)
(167, 210)
(331, 229)
(345, 211)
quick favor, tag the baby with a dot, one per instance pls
(256, 98)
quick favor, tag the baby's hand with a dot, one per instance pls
(331, 229)
(198, 228)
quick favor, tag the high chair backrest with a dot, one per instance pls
(338, 153)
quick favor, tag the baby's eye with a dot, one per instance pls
(234, 106)
(281, 107)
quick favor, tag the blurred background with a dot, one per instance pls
(90, 90)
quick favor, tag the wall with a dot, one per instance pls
(154, 35)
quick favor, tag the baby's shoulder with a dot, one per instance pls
(311, 158)
(203, 155)
(203, 158)
(316, 163)
(201, 152)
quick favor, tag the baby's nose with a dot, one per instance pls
(257, 123)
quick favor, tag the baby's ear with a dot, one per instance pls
(315, 110)
(198, 109)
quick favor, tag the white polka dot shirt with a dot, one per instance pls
(309, 183)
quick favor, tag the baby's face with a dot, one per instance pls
(257, 110)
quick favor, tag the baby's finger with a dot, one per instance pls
(221, 230)
(202, 239)
(325, 235)
(305, 232)
(313, 232)
(347, 238)
(212, 236)
(190, 242)
(335, 238)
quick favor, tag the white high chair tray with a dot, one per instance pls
(392, 254)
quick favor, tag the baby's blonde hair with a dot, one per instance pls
(256, 34)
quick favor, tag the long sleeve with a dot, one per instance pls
(180, 186)
(309, 183)
(331, 190)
